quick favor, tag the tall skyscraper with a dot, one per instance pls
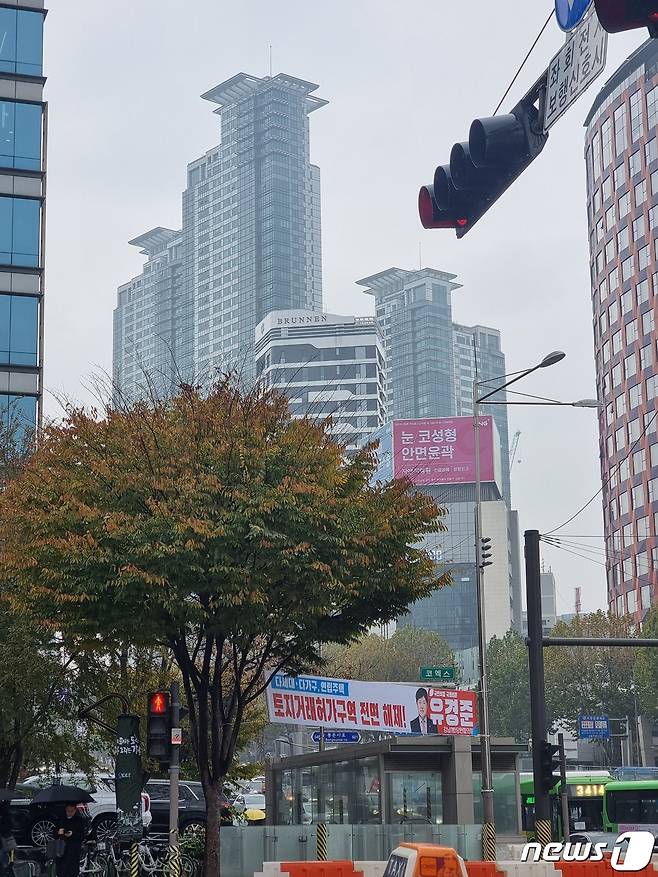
(152, 342)
(23, 117)
(328, 366)
(250, 227)
(415, 312)
(478, 352)
(622, 208)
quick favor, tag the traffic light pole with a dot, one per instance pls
(174, 775)
(488, 819)
(536, 668)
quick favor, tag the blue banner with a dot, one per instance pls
(594, 727)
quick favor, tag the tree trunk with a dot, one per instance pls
(212, 790)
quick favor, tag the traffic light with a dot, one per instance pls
(618, 15)
(158, 725)
(498, 150)
(485, 552)
(550, 765)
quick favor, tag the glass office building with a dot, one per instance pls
(152, 329)
(22, 194)
(250, 239)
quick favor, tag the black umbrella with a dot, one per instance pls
(10, 794)
(62, 795)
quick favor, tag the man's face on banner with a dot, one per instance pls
(421, 703)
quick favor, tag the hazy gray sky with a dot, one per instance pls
(404, 80)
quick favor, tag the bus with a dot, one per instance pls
(631, 806)
(585, 794)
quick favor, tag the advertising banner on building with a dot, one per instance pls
(441, 450)
(371, 706)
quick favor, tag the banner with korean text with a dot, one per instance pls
(319, 702)
(441, 450)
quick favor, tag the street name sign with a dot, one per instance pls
(337, 736)
(431, 674)
(578, 63)
(569, 13)
(594, 727)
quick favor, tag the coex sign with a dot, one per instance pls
(632, 851)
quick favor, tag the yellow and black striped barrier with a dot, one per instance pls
(489, 842)
(134, 859)
(174, 861)
(322, 849)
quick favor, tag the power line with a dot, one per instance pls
(523, 63)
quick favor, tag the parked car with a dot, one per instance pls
(249, 801)
(35, 823)
(191, 806)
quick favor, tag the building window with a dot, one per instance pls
(609, 219)
(631, 332)
(648, 322)
(20, 221)
(636, 115)
(21, 46)
(18, 330)
(20, 411)
(621, 136)
(634, 164)
(646, 359)
(616, 342)
(638, 228)
(624, 205)
(651, 151)
(20, 135)
(640, 193)
(652, 108)
(622, 240)
(642, 291)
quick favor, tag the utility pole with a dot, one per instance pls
(174, 775)
(536, 668)
(564, 792)
(488, 819)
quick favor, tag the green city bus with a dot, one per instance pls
(585, 795)
(631, 806)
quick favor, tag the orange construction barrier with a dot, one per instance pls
(320, 869)
(482, 869)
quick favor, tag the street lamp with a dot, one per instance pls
(488, 823)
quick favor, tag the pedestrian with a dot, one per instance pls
(71, 829)
(7, 840)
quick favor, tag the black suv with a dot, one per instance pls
(191, 806)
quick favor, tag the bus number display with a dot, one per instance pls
(587, 791)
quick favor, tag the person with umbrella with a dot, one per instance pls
(71, 829)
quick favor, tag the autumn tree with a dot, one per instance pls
(646, 667)
(217, 526)
(509, 691)
(374, 658)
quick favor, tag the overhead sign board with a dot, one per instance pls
(569, 13)
(349, 705)
(594, 727)
(442, 674)
(578, 63)
(336, 736)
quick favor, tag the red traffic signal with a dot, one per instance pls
(619, 15)
(431, 216)
(158, 703)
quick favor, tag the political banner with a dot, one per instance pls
(321, 702)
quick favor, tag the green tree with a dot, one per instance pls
(646, 667)
(583, 679)
(396, 659)
(217, 526)
(509, 692)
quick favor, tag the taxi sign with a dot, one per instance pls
(424, 860)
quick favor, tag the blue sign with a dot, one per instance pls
(594, 727)
(337, 736)
(570, 13)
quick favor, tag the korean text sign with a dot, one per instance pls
(371, 706)
(441, 450)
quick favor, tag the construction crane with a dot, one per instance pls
(515, 445)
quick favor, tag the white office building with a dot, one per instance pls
(329, 366)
